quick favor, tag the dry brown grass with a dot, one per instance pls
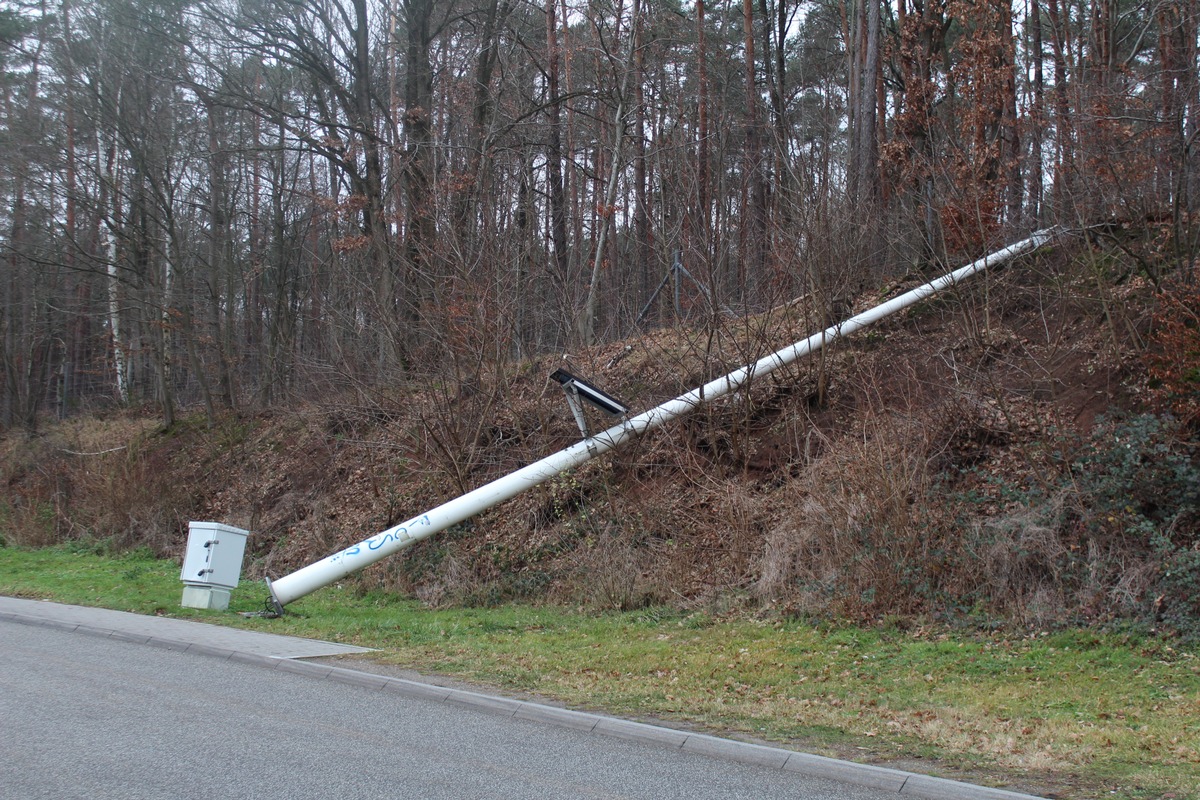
(860, 540)
(59, 480)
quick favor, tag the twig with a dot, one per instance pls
(100, 453)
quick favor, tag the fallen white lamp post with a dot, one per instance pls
(332, 568)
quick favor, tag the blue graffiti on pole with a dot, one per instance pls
(376, 542)
(398, 534)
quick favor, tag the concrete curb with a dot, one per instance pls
(906, 784)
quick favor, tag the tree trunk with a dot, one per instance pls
(754, 249)
(1064, 166)
(645, 246)
(1010, 132)
(703, 189)
(1037, 116)
(586, 326)
(863, 54)
(478, 166)
(554, 175)
(421, 281)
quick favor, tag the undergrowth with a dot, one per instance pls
(1110, 533)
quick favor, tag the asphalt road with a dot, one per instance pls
(86, 717)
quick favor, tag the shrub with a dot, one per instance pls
(1117, 535)
(861, 542)
(1140, 482)
(1137, 479)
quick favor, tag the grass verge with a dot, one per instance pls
(1070, 713)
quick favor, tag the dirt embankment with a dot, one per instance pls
(930, 465)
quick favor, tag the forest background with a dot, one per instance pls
(340, 233)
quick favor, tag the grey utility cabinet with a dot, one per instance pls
(212, 564)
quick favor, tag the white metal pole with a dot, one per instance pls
(332, 568)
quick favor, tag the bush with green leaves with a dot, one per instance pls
(1138, 487)
(1112, 531)
(1139, 478)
